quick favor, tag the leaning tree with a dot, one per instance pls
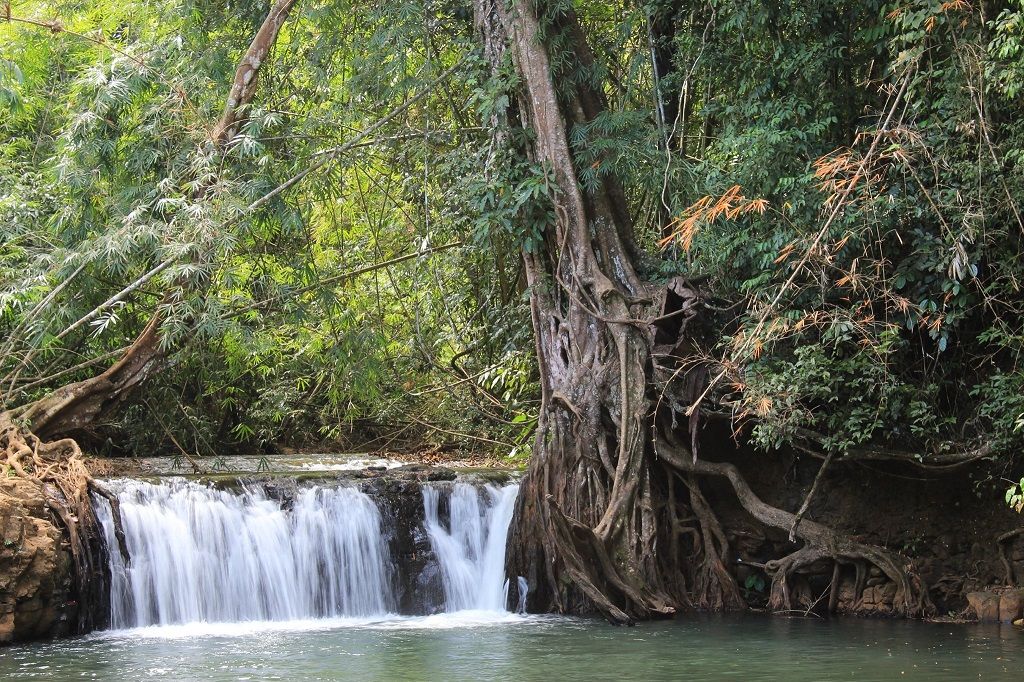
(615, 462)
(38, 438)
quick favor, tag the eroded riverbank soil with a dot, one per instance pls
(948, 523)
(35, 566)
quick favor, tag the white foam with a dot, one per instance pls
(201, 554)
(207, 562)
(441, 621)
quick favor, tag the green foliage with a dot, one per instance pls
(754, 583)
(107, 174)
(1015, 496)
(875, 299)
(1005, 63)
(878, 292)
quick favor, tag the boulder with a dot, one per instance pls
(888, 593)
(847, 597)
(985, 606)
(1011, 606)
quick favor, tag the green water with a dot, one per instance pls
(492, 647)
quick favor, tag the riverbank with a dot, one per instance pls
(942, 527)
(36, 593)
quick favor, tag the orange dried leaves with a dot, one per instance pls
(707, 210)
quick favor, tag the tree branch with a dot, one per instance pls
(810, 496)
(878, 453)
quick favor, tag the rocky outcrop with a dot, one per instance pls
(35, 566)
(997, 605)
(420, 589)
(960, 539)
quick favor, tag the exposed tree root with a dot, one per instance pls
(781, 570)
(911, 598)
(714, 587)
(581, 550)
(1001, 542)
(597, 520)
(956, 456)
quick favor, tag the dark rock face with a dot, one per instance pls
(419, 589)
(35, 567)
(960, 538)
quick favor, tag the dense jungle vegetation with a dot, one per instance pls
(799, 220)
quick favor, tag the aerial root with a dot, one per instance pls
(911, 596)
(715, 588)
(583, 551)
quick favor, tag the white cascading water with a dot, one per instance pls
(471, 549)
(201, 554)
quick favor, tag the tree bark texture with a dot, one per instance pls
(610, 515)
(590, 512)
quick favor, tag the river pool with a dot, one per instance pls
(490, 646)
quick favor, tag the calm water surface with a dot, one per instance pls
(481, 646)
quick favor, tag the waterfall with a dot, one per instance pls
(471, 549)
(201, 554)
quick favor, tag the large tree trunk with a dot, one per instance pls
(588, 526)
(598, 517)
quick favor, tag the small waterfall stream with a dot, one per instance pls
(202, 554)
(471, 550)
